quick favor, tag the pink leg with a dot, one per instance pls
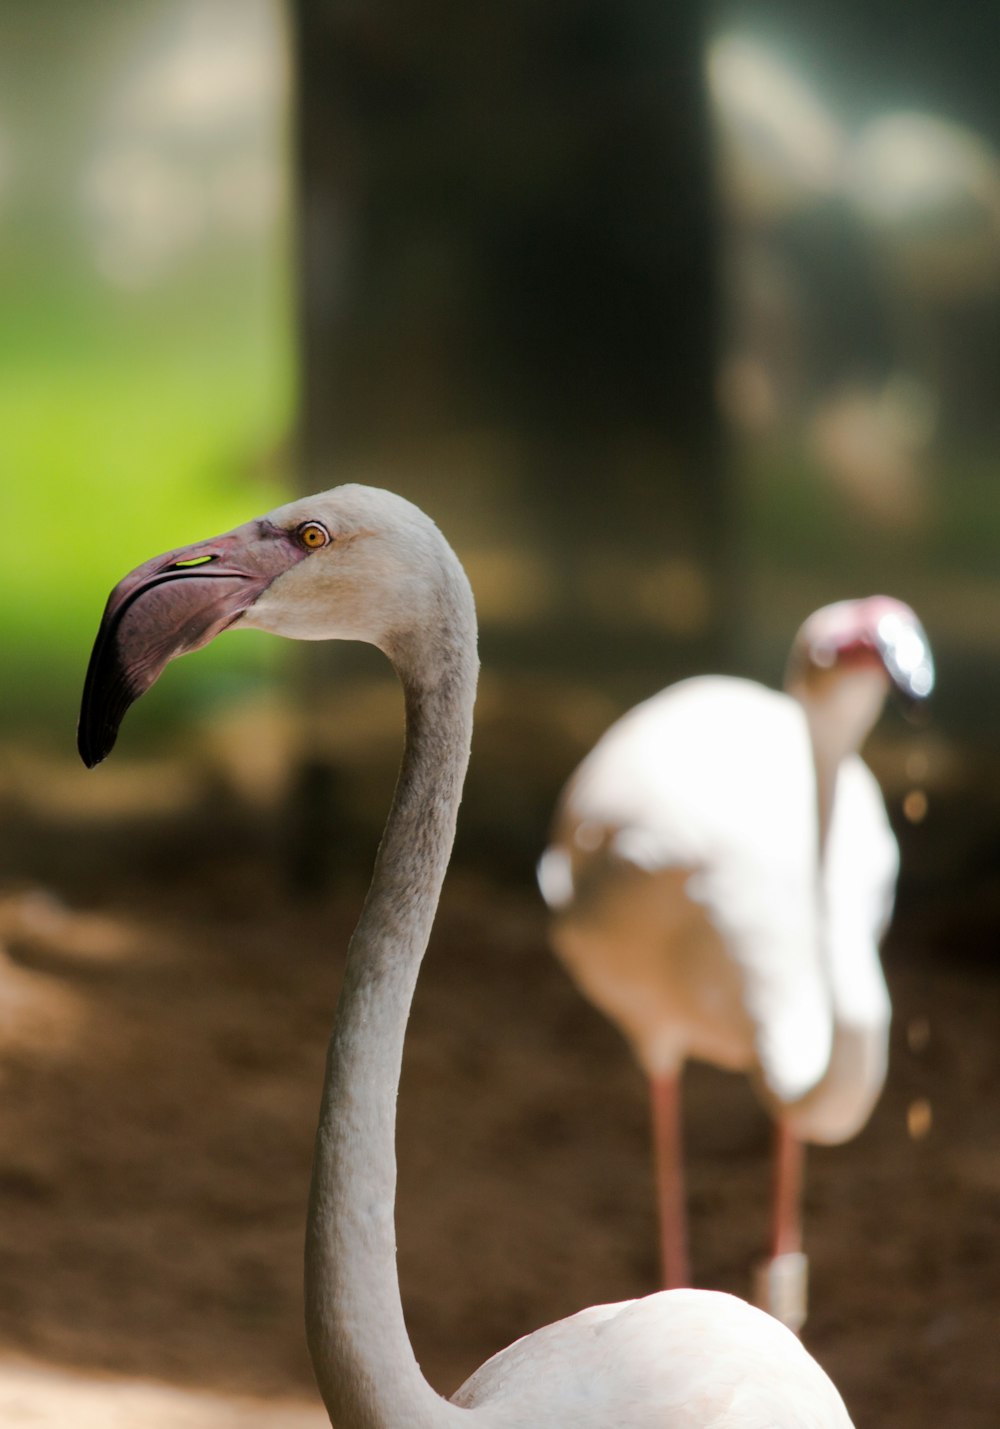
(668, 1160)
(786, 1214)
(781, 1283)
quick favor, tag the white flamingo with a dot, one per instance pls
(357, 563)
(721, 872)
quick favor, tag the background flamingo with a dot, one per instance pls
(362, 564)
(721, 872)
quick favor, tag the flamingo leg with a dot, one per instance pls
(786, 1207)
(782, 1280)
(665, 1103)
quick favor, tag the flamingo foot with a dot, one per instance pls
(781, 1287)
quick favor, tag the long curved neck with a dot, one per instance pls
(840, 710)
(839, 719)
(364, 1363)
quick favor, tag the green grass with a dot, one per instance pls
(125, 429)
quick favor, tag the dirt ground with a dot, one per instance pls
(164, 1007)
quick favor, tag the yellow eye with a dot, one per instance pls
(312, 535)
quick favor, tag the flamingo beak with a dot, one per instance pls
(172, 604)
(905, 652)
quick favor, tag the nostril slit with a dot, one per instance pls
(194, 561)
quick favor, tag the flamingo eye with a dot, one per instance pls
(312, 535)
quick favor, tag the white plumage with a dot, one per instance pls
(681, 1359)
(722, 871)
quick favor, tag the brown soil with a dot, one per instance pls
(163, 1018)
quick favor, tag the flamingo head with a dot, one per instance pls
(352, 563)
(878, 639)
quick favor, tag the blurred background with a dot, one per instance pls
(681, 320)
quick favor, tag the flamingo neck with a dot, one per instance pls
(841, 710)
(364, 1363)
(839, 719)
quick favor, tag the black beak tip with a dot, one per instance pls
(914, 710)
(107, 695)
(94, 740)
(916, 706)
(90, 752)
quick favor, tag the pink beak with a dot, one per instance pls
(167, 606)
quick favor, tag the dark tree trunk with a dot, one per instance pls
(507, 310)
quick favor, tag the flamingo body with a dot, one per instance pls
(607, 1366)
(689, 906)
(721, 873)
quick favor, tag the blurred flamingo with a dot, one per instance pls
(720, 874)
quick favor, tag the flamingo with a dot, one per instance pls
(364, 564)
(720, 875)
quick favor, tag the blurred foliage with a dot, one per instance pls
(509, 352)
(114, 446)
(145, 387)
